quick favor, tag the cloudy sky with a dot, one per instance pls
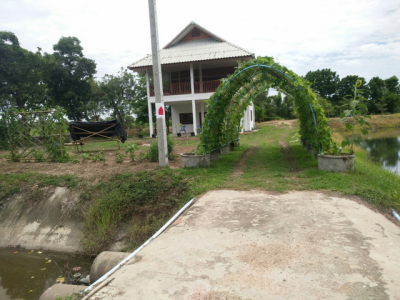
(349, 37)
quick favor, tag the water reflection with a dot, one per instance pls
(27, 276)
(384, 148)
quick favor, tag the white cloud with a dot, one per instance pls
(358, 37)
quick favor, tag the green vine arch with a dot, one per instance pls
(226, 107)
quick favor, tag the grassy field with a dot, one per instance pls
(376, 121)
(135, 205)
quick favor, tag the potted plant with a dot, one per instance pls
(192, 134)
(178, 132)
(353, 114)
(195, 159)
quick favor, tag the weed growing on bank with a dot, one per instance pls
(14, 183)
(140, 201)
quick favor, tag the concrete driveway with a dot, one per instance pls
(255, 245)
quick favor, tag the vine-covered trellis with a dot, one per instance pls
(36, 135)
(226, 107)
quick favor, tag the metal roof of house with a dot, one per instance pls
(196, 50)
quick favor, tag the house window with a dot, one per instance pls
(186, 118)
(195, 33)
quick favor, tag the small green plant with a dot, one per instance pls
(119, 157)
(38, 155)
(99, 157)
(74, 159)
(355, 113)
(85, 157)
(152, 153)
(131, 150)
(67, 297)
(142, 156)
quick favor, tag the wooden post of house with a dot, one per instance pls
(158, 92)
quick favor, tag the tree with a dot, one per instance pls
(346, 85)
(120, 93)
(325, 82)
(288, 108)
(95, 107)
(392, 85)
(21, 84)
(384, 94)
(391, 94)
(376, 90)
(277, 100)
(68, 77)
(139, 106)
(326, 105)
(381, 106)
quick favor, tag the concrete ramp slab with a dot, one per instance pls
(255, 245)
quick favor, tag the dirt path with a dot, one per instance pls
(289, 123)
(241, 164)
(287, 151)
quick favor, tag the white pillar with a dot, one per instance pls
(191, 79)
(149, 103)
(201, 79)
(249, 118)
(202, 110)
(194, 116)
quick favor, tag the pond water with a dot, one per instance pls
(26, 274)
(384, 148)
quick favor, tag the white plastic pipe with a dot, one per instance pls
(140, 248)
(396, 215)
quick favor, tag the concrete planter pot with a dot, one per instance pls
(335, 163)
(225, 150)
(215, 155)
(195, 161)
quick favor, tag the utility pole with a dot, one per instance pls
(158, 91)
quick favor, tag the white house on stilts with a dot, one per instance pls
(192, 65)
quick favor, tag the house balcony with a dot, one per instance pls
(185, 88)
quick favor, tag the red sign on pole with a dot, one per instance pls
(160, 110)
